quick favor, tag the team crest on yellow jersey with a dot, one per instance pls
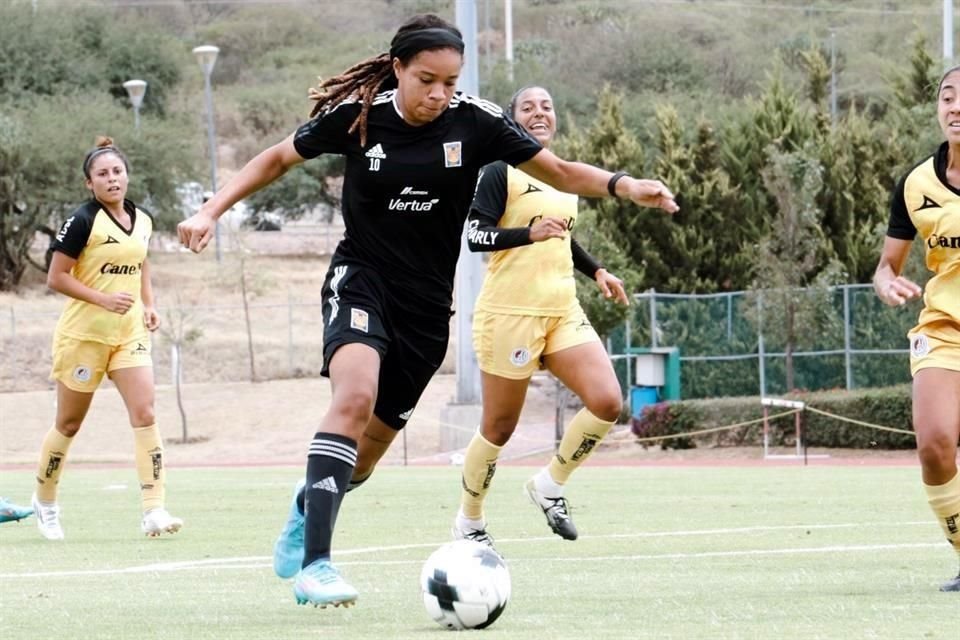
(919, 346)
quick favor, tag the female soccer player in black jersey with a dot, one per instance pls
(414, 147)
(528, 315)
(100, 264)
(927, 201)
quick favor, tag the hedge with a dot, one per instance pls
(887, 407)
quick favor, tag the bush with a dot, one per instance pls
(667, 419)
(888, 407)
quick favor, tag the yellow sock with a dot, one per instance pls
(148, 454)
(479, 465)
(53, 452)
(944, 499)
(581, 437)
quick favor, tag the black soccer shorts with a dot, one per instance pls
(359, 307)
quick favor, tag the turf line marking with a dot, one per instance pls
(259, 563)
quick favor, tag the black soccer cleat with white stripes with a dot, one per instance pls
(556, 510)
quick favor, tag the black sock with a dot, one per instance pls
(329, 467)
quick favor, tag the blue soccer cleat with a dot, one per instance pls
(288, 549)
(10, 512)
(320, 584)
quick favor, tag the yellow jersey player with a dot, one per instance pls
(100, 264)
(527, 315)
(414, 146)
(927, 202)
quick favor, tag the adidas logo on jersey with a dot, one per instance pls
(327, 484)
(376, 151)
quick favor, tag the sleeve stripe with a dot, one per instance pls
(485, 105)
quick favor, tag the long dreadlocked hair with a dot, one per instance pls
(365, 79)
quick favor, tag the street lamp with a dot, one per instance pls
(136, 89)
(207, 57)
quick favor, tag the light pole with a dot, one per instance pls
(207, 57)
(136, 89)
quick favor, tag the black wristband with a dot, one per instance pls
(612, 184)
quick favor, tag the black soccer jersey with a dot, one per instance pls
(110, 259)
(407, 193)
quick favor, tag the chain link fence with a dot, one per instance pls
(736, 343)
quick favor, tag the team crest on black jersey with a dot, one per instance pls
(452, 154)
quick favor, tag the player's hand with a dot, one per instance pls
(898, 291)
(650, 193)
(611, 286)
(151, 319)
(118, 302)
(547, 228)
(196, 231)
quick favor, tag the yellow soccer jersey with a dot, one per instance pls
(528, 279)
(109, 258)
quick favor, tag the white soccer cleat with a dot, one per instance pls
(159, 520)
(48, 518)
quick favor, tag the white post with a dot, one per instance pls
(469, 266)
(207, 57)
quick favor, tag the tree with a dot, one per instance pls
(41, 178)
(307, 187)
(787, 270)
(178, 331)
(17, 221)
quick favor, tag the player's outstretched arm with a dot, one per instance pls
(196, 231)
(587, 180)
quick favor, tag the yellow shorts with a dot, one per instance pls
(935, 345)
(80, 364)
(512, 346)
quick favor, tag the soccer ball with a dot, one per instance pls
(465, 585)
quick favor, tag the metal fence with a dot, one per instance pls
(730, 344)
(285, 340)
(735, 343)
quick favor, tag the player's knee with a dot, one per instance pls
(606, 406)
(69, 426)
(142, 417)
(355, 405)
(498, 430)
(936, 451)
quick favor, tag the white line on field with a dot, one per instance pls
(260, 562)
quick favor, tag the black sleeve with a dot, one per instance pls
(326, 133)
(74, 233)
(900, 225)
(503, 138)
(583, 261)
(489, 203)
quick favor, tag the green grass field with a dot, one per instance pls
(761, 552)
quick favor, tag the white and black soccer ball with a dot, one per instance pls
(465, 585)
